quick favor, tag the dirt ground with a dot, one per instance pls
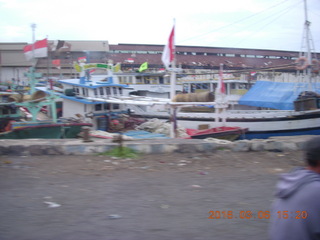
(165, 196)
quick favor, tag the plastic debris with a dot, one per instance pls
(181, 164)
(278, 169)
(164, 206)
(196, 186)
(145, 167)
(52, 204)
(185, 161)
(218, 141)
(157, 126)
(114, 216)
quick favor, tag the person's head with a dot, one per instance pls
(312, 152)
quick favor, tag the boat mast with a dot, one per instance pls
(307, 32)
(307, 44)
(32, 69)
(33, 105)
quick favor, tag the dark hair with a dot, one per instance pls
(312, 152)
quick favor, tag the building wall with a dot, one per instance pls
(192, 59)
(13, 75)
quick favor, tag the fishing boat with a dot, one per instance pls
(225, 133)
(19, 116)
(266, 109)
(45, 131)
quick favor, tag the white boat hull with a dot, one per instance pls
(260, 124)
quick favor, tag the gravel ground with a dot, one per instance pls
(165, 196)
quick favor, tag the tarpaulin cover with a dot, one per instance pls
(276, 95)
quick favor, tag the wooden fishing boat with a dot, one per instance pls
(226, 133)
(45, 131)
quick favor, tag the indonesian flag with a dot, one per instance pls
(82, 59)
(168, 51)
(39, 48)
(221, 89)
(57, 63)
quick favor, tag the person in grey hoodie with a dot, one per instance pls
(295, 213)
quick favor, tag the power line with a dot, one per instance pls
(236, 22)
(275, 17)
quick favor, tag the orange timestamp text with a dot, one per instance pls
(247, 214)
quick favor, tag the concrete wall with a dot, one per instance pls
(7, 73)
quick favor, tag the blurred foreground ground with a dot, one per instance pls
(155, 197)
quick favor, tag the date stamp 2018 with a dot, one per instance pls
(247, 214)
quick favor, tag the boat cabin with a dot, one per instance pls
(151, 84)
(234, 88)
(78, 94)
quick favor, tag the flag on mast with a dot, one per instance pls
(168, 51)
(143, 66)
(221, 89)
(39, 49)
(57, 63)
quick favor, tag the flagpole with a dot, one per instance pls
(49, 62)
(33, 27)
(32, 69)
(173, 110)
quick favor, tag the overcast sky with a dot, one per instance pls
(261, 24)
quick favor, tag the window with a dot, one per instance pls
(120, 91)
(101, 91)
(95, 91)
(242, 86)
(76, 90)
(185, 87)
(139, 80)
(98, 107)
(116, 106)
(114, 90)
(108, 91)
(106, 106)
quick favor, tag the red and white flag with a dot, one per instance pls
(168, 51)
(82, 59)
(57, 63)
(221, 89)
(38, 49)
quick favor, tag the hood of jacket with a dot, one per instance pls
(289, 183)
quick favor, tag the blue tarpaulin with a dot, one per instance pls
(276, 95)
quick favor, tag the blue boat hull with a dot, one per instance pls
(264, 135)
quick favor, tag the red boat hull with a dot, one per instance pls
(228, 133)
